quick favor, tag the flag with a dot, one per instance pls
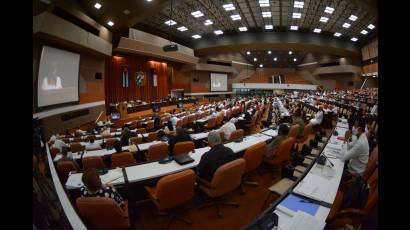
(125, 77)
(153, 77)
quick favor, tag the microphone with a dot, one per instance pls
(323, 158)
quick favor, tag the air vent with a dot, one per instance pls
(330, 64)
(76, 21)
(219, 63)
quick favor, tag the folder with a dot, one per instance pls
(295, 203)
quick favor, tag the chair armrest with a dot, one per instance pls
(205, 183)
(353, 211)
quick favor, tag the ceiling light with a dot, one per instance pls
(255, 59)
(170, 22)
(354, 39)
(353, 17)
(261, 65)
(337, 34)
(329, 10)
(243, 28)
(97, 5)
(149, 0)
(267, 14)
(364, 32)
(269, 52)
(248, 52)
(197, 14)
(298, 4)
(228, 7)
(290, 52)
(296, 15)
(196, 36)
(294, 27)
(218, 32)
(294, 59)
(236, 17)
(182, 28)
(275, 59)
(324, 19)
(317, 30)
(371, 26)
(208, 22)
(263, 3)
(268, 27)
(346, 25)
(126, 12)
(110, 23)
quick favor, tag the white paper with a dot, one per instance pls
(111, 176)
(314, 186)
(303, 221)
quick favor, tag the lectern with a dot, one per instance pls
(122, 108)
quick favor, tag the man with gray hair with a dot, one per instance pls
(215, 157)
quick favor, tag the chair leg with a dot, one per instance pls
(266, 200)
(217, 204)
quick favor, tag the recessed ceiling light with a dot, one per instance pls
(218, 32)
(197, 14)
(196, 36)
(354, 39)
(317, 30)
(236, 17)
(353, 17)
(296, 15)
(290, 52)
(97, 5)
(243, 28)
(126, 12)
(255, 59)
(263, 3)
(208, 22)
(324, 19)
(269, 52)
(337, 34)
(371, 26)
(182, 28)
(228, 7)
(267, 14)
(268, 27)
(275, 59)
(329, 10)
(261, 65)
(346, 25)
(294, 59)
(294, 27)
(110, 23)
(364, 32)
(248, 52)
(298, 4)
(149, 0)
(170, 22)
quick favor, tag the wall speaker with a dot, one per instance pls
(98, 76)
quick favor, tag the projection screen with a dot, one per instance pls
(219, 82)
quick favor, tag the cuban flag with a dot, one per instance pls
(125, 77)
(153, 77)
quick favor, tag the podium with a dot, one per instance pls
(123, 109)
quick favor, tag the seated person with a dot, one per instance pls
(157, 121)
(92, 145)
(317, 120)
(125, 136)
(57, 143)
(215, 157)
(228, 128)
(66, 157)
(357, 154)
(169, 129)
(162, 136)
(173, 120)
(181, 136)
(297, 120)
(248, 116)
(106, 133)
(118, 147)
(272, 147)
(94, 188)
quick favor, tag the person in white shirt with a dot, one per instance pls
(92, 145)
(57, 143)
(357, 154)
(228, 128)
(317, 120)
(174, 121)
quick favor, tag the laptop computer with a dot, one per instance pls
(183, 159)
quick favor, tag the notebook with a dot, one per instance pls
(292, 204)
(183, 159)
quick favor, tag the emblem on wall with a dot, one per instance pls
(140, 78)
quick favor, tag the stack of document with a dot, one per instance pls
(314, 186)
(303, 221)
(111, 176)
(336, 147)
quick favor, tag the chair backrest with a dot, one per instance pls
(64, 168)
(179, 123)
(54, 152)
(222, 136)
(284, 150)
(254, 156)
(109, 143)
(211, 123)
(183, 147)
(371, 164)
(157, 151)
(293, 132)
(76, 147)
(236, 134)
(93, 162)
(135, 140)
(175, 189)
(219, 120)
(373, 191)
(152, 136)
(306, 131)
(103, 213)
(123, 159)
(150, 125)
(184, 121)
(141, 130)
(227, 177)
(191, 118)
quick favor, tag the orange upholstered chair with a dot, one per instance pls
(191, 118)
(283, 153)
(157, 151)
(150, 125)
(211, 123)
(103, 213)
(293, 132)
(237, 134)
(135, 140)
(172, 191)
(93, 162)
(253, 157)
(306, 131)
(109, 143)
(183, 147)
(54, 152)
(226, 179)
(152, 136)
(76, 147)
(64, 168)
(141, 130)
(123, 159)
(219, 120)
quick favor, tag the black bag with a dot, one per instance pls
(287, 171)
(318, 137)
(306, 150)
(297, 158)
(313, 144)
(356, 195)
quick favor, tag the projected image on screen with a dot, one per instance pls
(57, 77)
(219, 82)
